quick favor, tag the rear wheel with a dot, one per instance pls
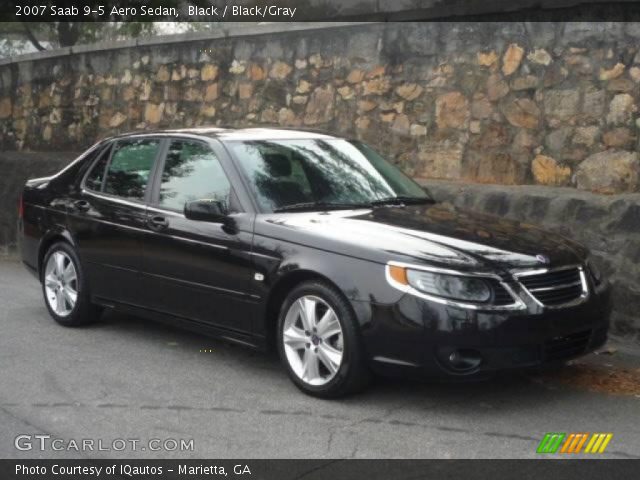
(319, 343)
(64, 287)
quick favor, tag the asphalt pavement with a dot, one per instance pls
(128, 379)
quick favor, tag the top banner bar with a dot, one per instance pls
(316, 10)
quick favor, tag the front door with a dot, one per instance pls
(200, 271)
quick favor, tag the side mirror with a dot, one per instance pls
(205, 210)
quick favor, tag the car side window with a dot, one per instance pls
(131, 163)
(95, 177)
(192, 172)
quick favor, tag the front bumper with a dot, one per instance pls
(416, 337)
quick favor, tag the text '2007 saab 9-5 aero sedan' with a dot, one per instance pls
(313, 245)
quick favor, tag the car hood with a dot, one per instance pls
(434, 234)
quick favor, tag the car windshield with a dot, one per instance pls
(319, 174)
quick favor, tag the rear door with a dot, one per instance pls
(108, 217)
(198, 270)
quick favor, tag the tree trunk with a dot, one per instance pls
(68, 33)
(32, 38)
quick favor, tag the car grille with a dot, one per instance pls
(554, 288)
(567, 346)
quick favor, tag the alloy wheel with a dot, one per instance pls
(61, 283)
(313, 340)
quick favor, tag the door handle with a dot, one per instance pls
(158, 222)
(81, 205)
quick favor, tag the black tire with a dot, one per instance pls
(353, 375)
(83, 312)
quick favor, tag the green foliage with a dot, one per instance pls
(18, 37)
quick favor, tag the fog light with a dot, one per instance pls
(464, 360)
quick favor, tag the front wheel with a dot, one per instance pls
(319, 343)
(64, 287)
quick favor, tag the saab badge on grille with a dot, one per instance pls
(543, 259)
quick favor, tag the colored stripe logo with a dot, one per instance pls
(550, 442)
(555, 442)
(598, 442)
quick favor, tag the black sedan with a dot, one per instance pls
(310, 244)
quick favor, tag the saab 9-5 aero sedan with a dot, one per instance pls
(309, 243)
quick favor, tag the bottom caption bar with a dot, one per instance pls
(316, 469)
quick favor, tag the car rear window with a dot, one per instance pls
(95, 178)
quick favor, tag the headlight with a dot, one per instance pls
(454, 287)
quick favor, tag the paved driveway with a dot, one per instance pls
(125, 378)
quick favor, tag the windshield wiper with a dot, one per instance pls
(402, 199)
(320, 206)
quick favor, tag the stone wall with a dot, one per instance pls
(509, 103)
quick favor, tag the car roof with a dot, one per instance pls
(230, 133)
